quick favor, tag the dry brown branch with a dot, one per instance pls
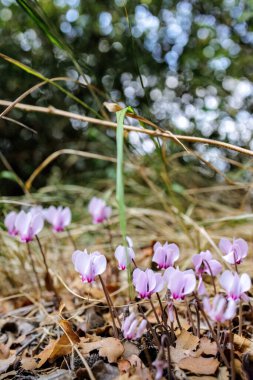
(110, 124)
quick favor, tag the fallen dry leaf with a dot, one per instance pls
(59, 347)
(28, 364)
(187, 341)
(4, 351)
(186, 344)
(5, 363)
(208, 347)
(200, 365)
(111, 348)
(140, 369)
(223, 374)
(242, 344)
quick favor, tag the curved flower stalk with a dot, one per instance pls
(179, 283)
(28, 225)
(146, 283)
(89, 265)
(204, 263)
(132, 328)
(124, 255)
(235, 252)
(235, 285)
(58, 217)
(165, 255)
(9, 223)
(221, 309)
(98, 210)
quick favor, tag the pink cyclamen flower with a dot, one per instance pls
(89, 265)
(179, 283)
(98, 210)
(204, 263)
(201, 289)
(146, 283)
(221, 309)
(234, 252)
(165, 255)
(124, 255)
(132, 328)
(58, 217)
(37, 210)
(9, 223)
(235, 286)
(28, 225)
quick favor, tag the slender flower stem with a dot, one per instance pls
(240, 318)
(42, 253)
(232, 359)
(214, 335)
(198, 317)
(165, 337)
(33, 267)
(71, 239)
(149, 325)
(190, 317)
(49, 281)
(161, 307)
(212, 276)
(115, 330)
(154, 310)
(177, 318)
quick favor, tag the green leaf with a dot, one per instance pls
(6, 174)
(35, 73)
(120, 192)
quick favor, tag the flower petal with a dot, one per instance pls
(225, 245)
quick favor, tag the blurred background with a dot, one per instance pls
(186, 65)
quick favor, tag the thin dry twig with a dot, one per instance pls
(156, 133)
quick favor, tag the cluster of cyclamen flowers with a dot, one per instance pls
(28, 224)
(179, 284)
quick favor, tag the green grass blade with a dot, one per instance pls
(120, 192)
(40, 18)
(35, 73)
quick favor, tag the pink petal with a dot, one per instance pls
(159, 283)
(168, 275)
(100, 264)
(243, 246)
(37, 224)
(245, 282)
(229, 258)
(141, 328)
(226, 280)
(66, 216)
(136, 274)
(230, 310)
(215, 266)
(197, 261)
(190, 283)
(225, 245)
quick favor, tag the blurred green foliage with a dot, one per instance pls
(194, 59)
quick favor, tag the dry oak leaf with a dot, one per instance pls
(206, 347)
(223, 374)
(111, 348)
(243, 344)
(199, 366)
(5, 363)
(186, 345)
(59, 347)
